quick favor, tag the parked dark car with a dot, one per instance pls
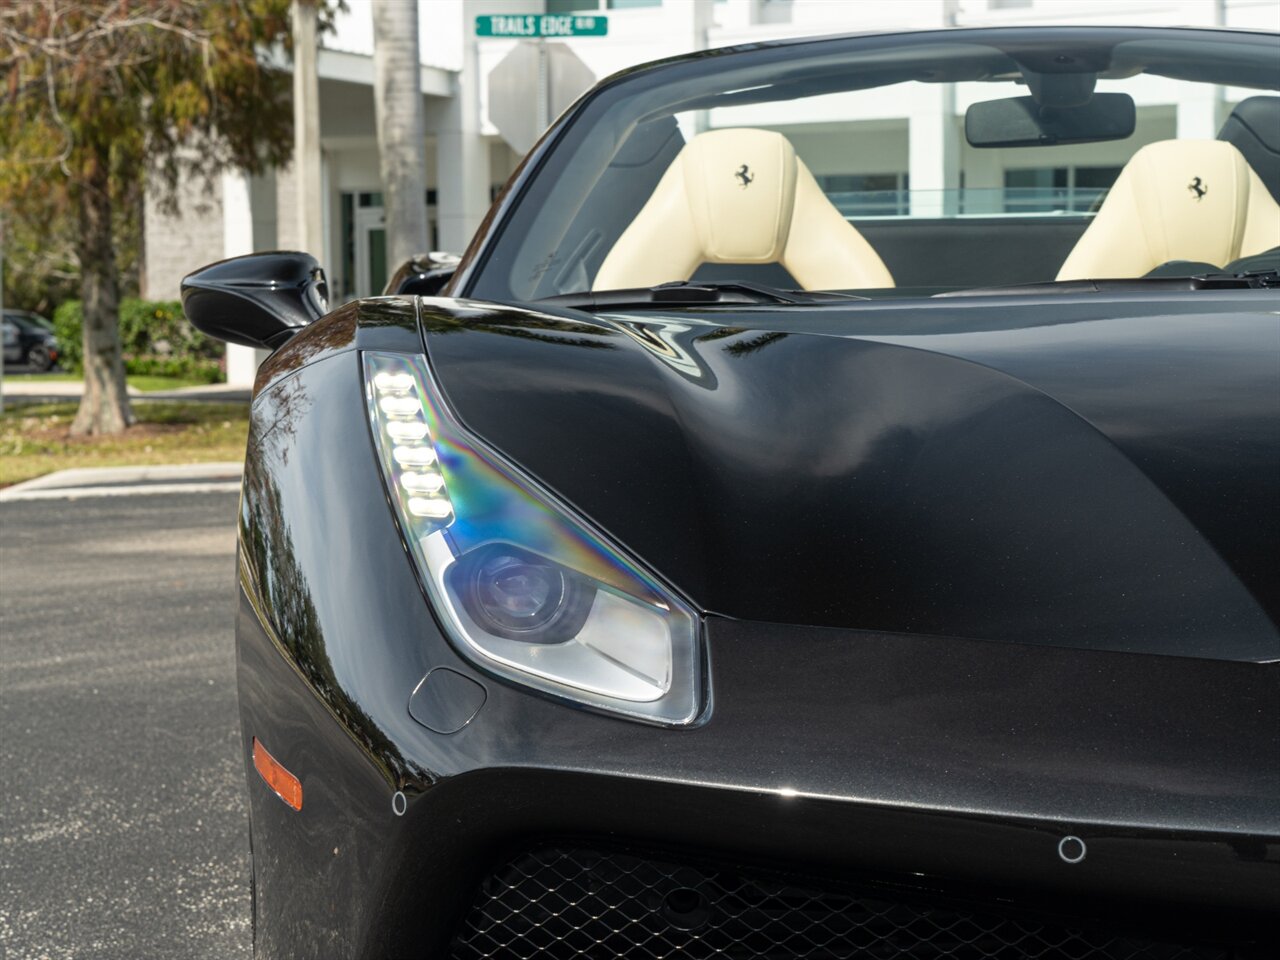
(32, 341)
(705, 575)
(12, 349)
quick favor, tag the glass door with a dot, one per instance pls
(371, 250)
(364, 242)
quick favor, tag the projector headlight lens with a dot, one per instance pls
(513, 594)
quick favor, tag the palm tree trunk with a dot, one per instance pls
(104, 408)
(401, 128)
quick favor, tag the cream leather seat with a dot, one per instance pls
(1177, 200)
(741, 196)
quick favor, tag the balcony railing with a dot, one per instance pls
(970, 202)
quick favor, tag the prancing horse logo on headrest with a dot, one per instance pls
(1198, 188)
(745, 175)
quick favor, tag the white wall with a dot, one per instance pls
(870, 146)
(440, 24)
(175, 244)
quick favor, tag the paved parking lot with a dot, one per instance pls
(122, 820)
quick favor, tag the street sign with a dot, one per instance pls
(531, 26)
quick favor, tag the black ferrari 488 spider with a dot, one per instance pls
(714, 563)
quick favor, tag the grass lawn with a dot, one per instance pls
(34, 440)
(142, 382)
(147, 383)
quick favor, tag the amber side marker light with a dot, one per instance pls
(286, 786)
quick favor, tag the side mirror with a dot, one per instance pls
(259, 300)
(423, 276)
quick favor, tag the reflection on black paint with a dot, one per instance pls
(719, 333)
(741, 348)
(530, 334)
(515, 322)
(278, 586)
(827, 480)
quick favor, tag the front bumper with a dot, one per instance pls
(766, 787)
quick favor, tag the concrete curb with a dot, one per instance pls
(76, 493)
(65, 389)
(220, 477)
(62, 390)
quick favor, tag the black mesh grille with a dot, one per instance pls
(559, 903)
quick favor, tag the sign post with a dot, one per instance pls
(543, 115)
(540, 26)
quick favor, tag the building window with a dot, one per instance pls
(1057, 189)
(1094, 178)
(867, 194)
(594, 6)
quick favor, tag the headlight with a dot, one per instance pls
(524, 588)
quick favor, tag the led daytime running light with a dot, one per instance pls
(426, 482)
(414, 456)
(401, 406)
(399, 416)
(404, 431)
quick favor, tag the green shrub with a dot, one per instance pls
(67, 322)
(184, 368)
(154, 336)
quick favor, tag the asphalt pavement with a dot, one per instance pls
(122, 811)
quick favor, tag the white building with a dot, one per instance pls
(481, 116)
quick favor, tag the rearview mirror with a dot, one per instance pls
(1022, 122)
(259, 300)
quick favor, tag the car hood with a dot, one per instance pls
(1095, 472)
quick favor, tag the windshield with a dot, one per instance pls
(29, 323)
(910, 165)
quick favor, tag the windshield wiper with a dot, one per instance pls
(1266, 279)
(1251, 280)
(685, 293)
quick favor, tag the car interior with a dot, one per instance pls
(741, 205)
(1151, 220)
(1038, 249)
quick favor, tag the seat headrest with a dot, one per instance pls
(1254, 129)
(740, 196)
(743, 187)
(1177, 200)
